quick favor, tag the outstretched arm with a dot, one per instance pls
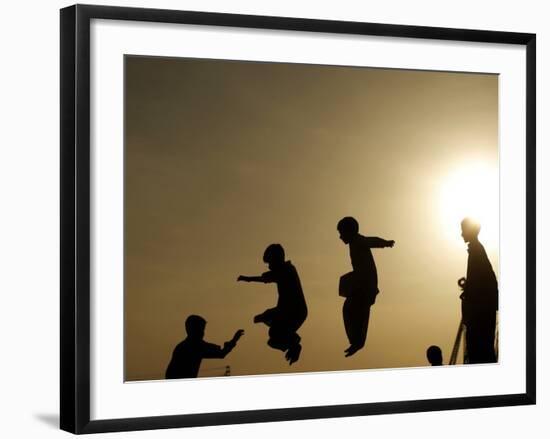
(242, 278)
(211, 350)
(264, 278)
(228, 346)
(374, 242)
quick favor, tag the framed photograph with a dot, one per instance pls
(274, 218)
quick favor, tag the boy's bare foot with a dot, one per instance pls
(352, 349)
(293, 353)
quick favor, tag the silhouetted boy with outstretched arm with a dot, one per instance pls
(291, 310)
(188, 354)
(361, 286)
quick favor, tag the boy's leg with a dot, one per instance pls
(283, 340)
(354, 318)
(277, 338)
(347, 314)
(266, 317)
(282, 333)
(293, 353)
(358, 321)
(472, 344)
(295, 348)
(363, 323)
(273, 318)
(480, 339)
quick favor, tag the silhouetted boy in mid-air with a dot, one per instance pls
(188, 354)
(480, 298)
(434, 355)
(359, 287)
(291, 310)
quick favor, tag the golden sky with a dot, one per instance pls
(223, 158)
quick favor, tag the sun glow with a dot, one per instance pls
(471, 190)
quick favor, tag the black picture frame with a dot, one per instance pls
(75, 217)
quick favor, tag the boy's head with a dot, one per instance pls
(194, 325)
(435, 357)
(470, 229)
(274, 255)
(348, 227)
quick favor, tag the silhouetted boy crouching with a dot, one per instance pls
(291, 310)
(188, 354)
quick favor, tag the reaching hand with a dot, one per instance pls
(238, 335)
(242, 278)
(391, 243)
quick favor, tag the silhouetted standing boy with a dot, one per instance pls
(188, 354)
(360, 287)
(291, 310)
(480, 298)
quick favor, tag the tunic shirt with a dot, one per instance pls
(291, 298)
(363, 264)
(481, 289)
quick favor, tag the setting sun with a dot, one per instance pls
(471, 191)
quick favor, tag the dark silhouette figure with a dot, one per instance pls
(480, 298)
(291, 311)
(434, 355)
(188, 354)
(359, 287)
